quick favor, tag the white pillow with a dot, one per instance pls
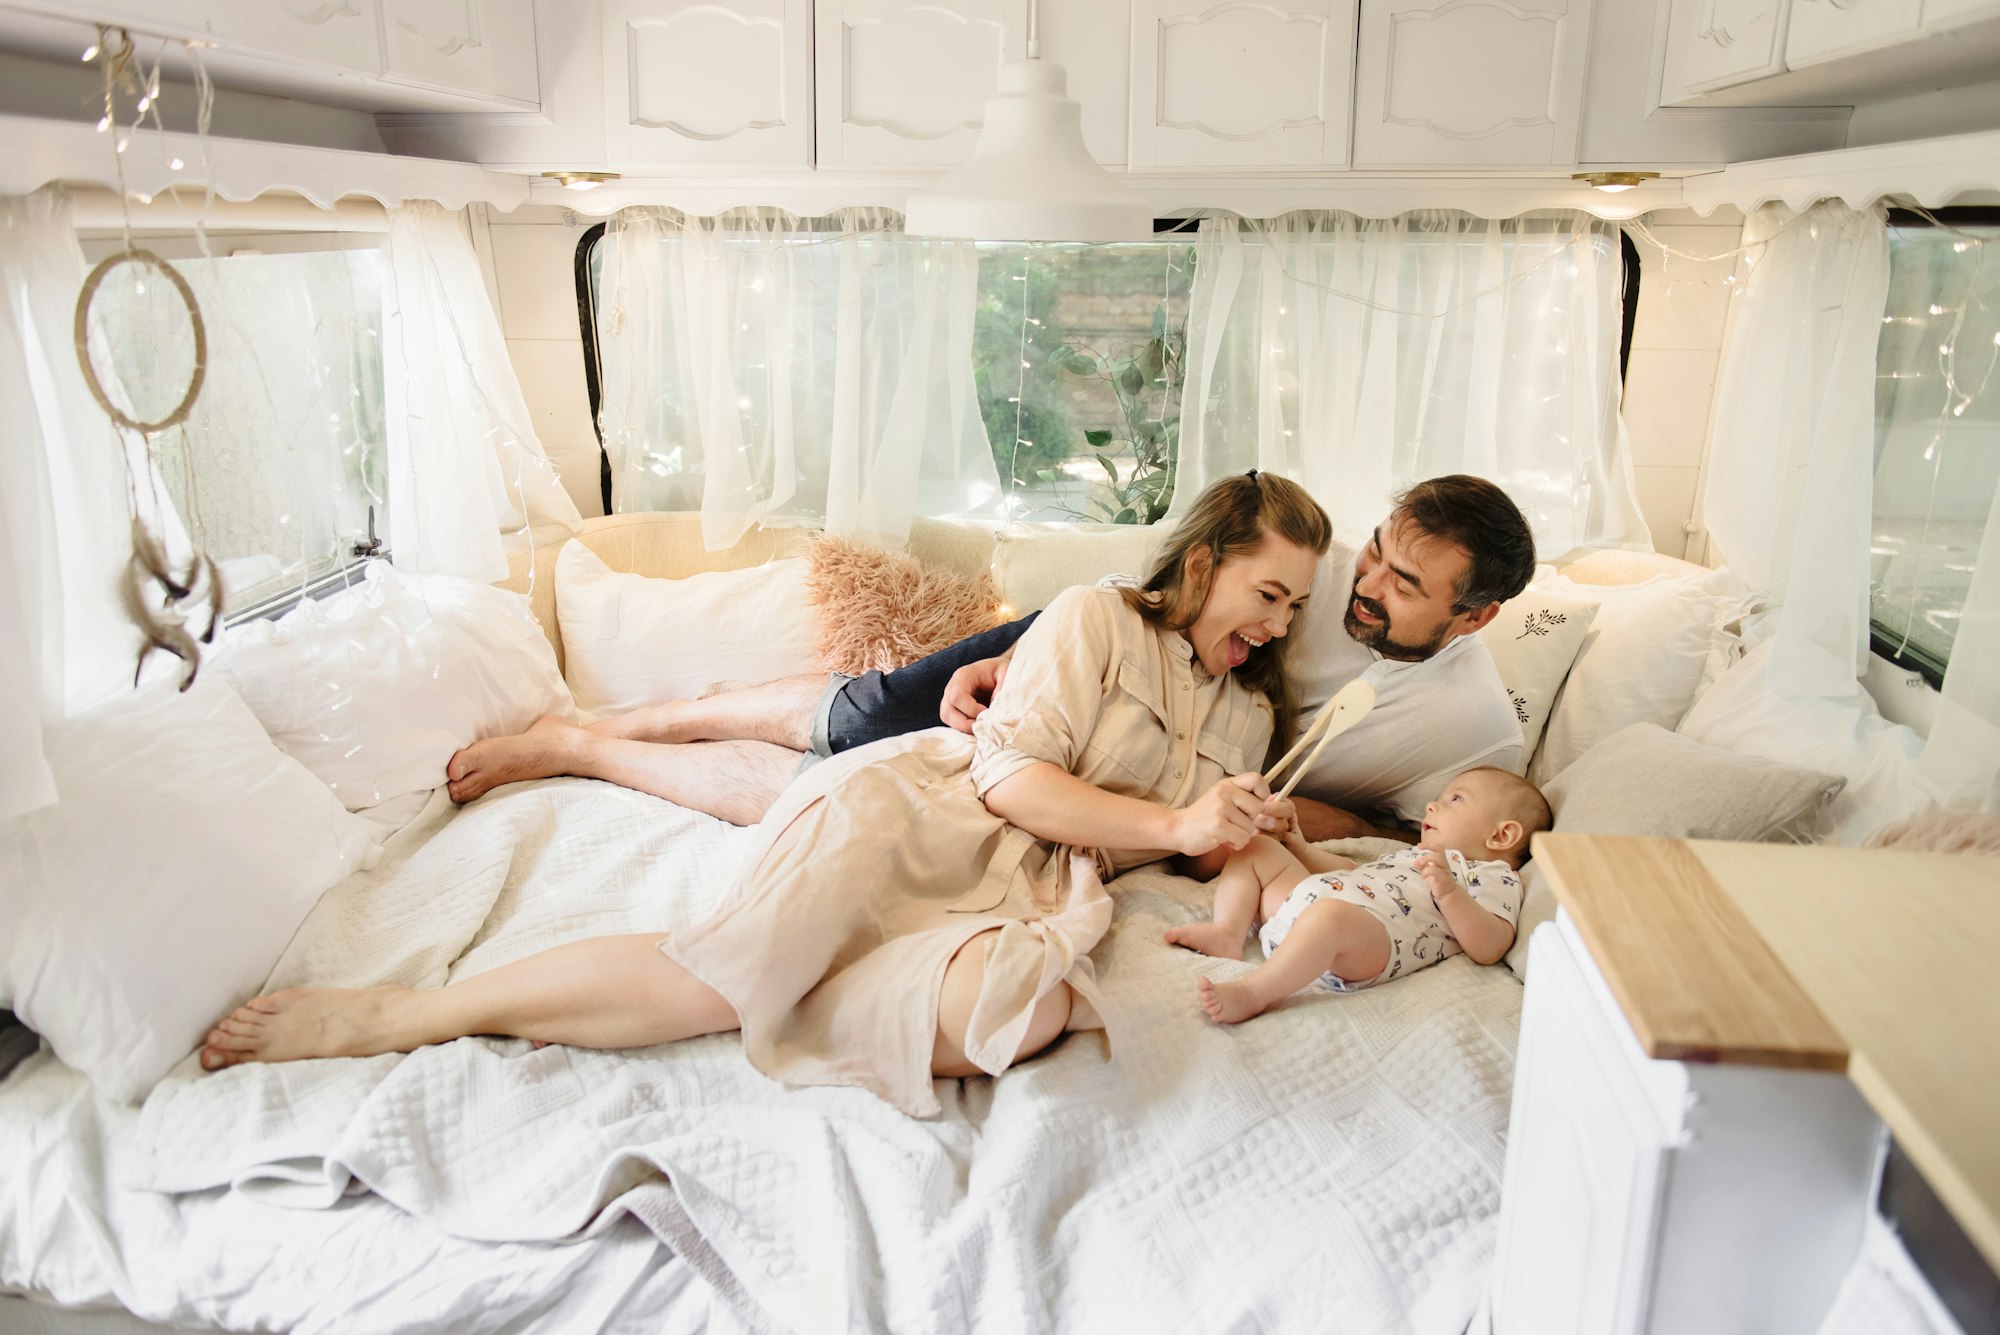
(1031, 565)
(373, 689)
(1649, 652)
(630, 641)
(1879, 759)
(157, 893)
(1533, 639)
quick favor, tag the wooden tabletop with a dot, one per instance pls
(1876, 962)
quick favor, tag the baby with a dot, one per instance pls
(1355, 926)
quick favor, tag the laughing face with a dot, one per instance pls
(1250, 603)
(1404, 586)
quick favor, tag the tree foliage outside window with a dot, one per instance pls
(1079, 360)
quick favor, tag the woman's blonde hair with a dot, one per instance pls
(1228, 521)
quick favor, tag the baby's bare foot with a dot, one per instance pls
(308, 1022)
(1228, 1003)
(1210, 938)
(545, 749)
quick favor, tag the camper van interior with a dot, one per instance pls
(1000, 665)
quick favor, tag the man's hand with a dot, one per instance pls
(970, 690)
(1225, 815)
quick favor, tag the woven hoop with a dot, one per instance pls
(82, 334)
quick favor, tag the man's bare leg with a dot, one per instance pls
(779, 712)
(611, 992)
(735, 781)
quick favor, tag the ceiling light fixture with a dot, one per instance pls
(580, 180)
(1613, 182)
(1030, 177)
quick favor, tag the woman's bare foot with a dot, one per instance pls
(1228, 1003)
(1210, 938)
(311, 1022)
(546, 749)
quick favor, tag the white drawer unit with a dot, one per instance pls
(1469, 82)
(1652, 1197)
(720, 82)
(1222, 83)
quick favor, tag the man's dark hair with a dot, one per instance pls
(1472, 513)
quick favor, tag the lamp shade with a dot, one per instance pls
(1030, 178)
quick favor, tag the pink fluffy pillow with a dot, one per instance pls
(880, 610)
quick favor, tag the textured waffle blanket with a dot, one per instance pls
(1335, 1164)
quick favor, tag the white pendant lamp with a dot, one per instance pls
(1030, 178)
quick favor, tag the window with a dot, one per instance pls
(279, 470)
(1077, 355)
(1937, 429)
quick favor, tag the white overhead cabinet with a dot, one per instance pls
(1768, 52)
(1714, 44)
(1224, 84)
(482, 47)
(709, 82)
(339, 33)
(1469, 82)
(1823, 29)
(905, 82)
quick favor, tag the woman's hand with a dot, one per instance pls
(1224, 815)
(970, 690)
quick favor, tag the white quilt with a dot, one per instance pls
(1335, 1164)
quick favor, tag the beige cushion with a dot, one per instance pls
(1033, 563)
(1644, 780)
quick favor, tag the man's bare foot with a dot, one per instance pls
(547, 748)
(310, 1022)
(1210, 938)
(1228, 1003)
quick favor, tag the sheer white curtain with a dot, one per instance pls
(64, 525)
(464, 463)
(759, 367)
(1790, 489)
(1962, 756)
(1359, 355)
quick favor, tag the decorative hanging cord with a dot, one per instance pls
(156, 591)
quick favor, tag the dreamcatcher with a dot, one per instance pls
(166, 592)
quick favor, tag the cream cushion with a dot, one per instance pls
(1034, 563)
(633, 641)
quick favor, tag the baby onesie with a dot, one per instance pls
(1394, 891)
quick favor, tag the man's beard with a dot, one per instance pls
(1379, 636)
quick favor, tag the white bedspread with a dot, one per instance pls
(1333, 1165)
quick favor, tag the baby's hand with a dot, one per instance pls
(1438, 874)
(1279, 817)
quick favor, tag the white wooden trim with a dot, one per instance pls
(35, 152)
(1933, 172)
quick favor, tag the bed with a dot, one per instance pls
(1342, 1156)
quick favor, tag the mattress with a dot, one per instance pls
(1337, 1161)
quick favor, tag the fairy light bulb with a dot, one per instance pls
(90, 53)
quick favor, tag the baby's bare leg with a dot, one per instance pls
(1331, 936)
(1259, 869)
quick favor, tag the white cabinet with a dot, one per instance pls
(1823, 29)
(1221, 83)
(471, 46)
(322, 32)
(906, 81)
(1714, 44)
(708, 81)
(1651, 1197)
(1469, 82)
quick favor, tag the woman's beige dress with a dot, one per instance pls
(875, 867)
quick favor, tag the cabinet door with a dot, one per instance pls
(1585, 1161)
(1223, 83)
(471, 46)
(906, 81)
(1951, 13)
(338, 33)
(1823, 29)
(1715, 44)
(727, 82)
(1469, 82)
